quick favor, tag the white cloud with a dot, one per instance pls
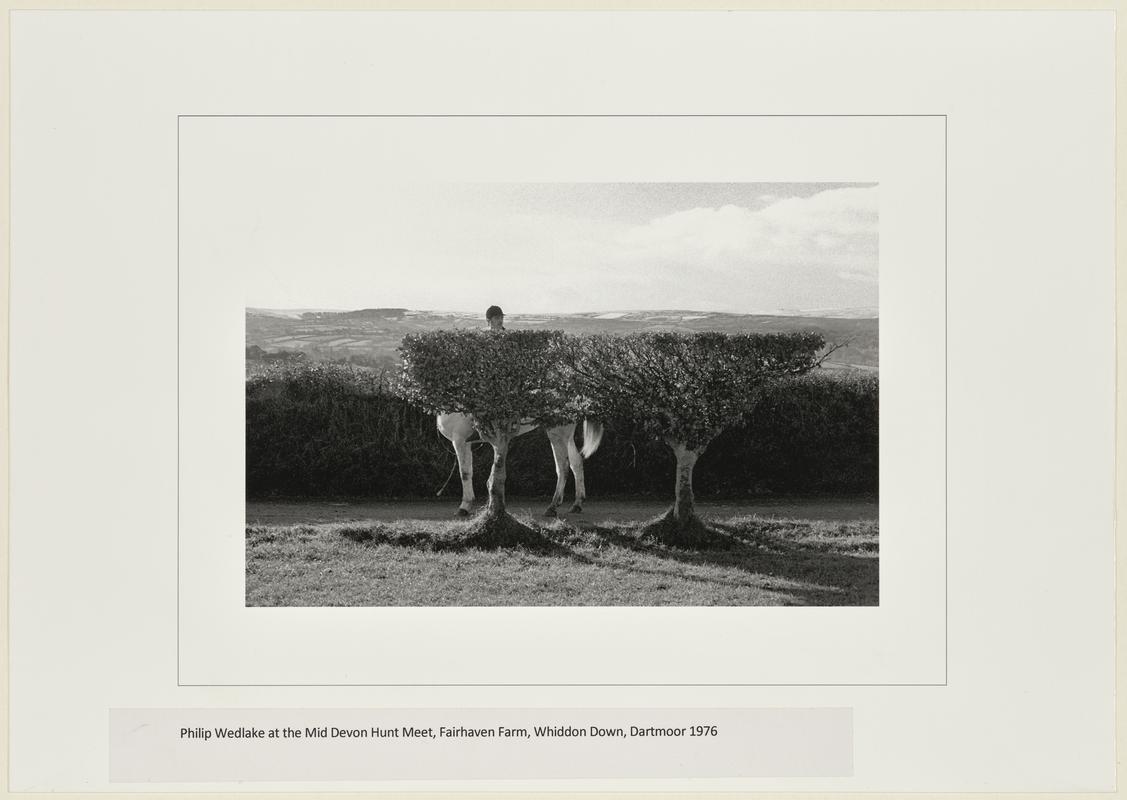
(843, 212)
(697, 231)
(836, 229)
(817, 251)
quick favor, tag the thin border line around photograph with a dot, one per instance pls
(946, 588)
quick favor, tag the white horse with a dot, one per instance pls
(459, 427)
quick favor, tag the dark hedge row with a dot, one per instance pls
(332, 430)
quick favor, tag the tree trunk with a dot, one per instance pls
(684, 509)
(680, 526)
(499, 439)
(496, 527)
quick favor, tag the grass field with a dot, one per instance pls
(306, 555)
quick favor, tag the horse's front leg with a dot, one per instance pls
(559, 437)
(458, 428)
(575, 459)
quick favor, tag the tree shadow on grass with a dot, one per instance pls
(483, 532)
(813, 574)
(786, 558)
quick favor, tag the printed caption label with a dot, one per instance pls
(214, 745)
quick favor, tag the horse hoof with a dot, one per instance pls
(551, 512)
(575, 510)
(461, 512)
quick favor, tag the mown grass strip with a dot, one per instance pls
(427, 563)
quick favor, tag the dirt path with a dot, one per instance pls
(290, 512)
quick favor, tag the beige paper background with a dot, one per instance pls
(220, 697)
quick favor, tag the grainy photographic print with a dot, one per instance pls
(550, 394)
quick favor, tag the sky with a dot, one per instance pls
(559, 247)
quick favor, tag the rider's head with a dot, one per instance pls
(496, 317)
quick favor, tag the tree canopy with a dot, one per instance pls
(683, 387)
(496, 377)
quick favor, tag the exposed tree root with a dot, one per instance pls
(690, 533)
(491, 530)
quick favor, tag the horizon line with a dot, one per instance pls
(869, 311)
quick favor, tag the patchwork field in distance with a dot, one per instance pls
(371, 336)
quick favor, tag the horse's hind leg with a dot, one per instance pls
(576, 460)
(465, 467)
(559, 437)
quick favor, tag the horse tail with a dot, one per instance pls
(592, 436)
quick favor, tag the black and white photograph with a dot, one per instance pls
(564, 394)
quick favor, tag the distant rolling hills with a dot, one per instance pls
(370, 336)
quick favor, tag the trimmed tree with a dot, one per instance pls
(684, 389)
(507, 381)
